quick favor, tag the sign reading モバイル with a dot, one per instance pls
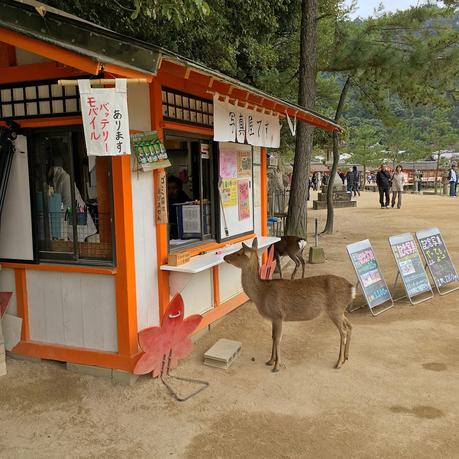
(233, 123)
(105, 119)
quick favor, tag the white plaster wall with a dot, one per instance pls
(143, 216)
(8, 284)
(24, 57)
(196, 290)
(73, 309)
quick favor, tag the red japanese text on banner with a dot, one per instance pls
(105, 119)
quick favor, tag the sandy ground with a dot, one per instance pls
(397, 396)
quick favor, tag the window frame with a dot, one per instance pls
(189, 138)
(61, 258)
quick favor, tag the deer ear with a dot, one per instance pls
(255, 244)
(245, 247)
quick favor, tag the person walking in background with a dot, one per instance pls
(452, 178)
(355, 181)
(398, 180)
(349, 181)
(383, 183)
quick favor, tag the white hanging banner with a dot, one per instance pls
(224, 121)
(243, 125)
(292, 126)
(105, 119)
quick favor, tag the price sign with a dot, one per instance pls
(368, 273)
(437, 257)
(410, 265)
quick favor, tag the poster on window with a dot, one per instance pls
(228, 164)
(228, 192)
(244, 163)
(105, 119)
(243, 199)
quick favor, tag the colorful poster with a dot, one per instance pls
(243, 198)
(228, 164)
(244, 163)
(105, 119)
(149, 151)
(228, 192)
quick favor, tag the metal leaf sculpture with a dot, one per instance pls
(267, 269)
(163, 346)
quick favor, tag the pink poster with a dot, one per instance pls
(243, 199)
(228, 164)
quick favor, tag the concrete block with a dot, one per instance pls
(124, 378)
(316, 255)
(26, 358)
(222, 353)
(89, 370)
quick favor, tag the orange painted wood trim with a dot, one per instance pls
(216, 285)
(188, 128)
(225, 308)
(61, 268)
(156, 112)
(36, 72)
(48, 122)
(50, 51)
(264, 191)
(78, 355)
(126, 303)
(7, 56)
(22, 301)
(207, 247)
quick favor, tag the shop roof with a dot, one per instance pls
(45, 23)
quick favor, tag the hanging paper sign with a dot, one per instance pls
(243, 198)
(149, 151)
(244, 125)
(105, 119)
(161, 198)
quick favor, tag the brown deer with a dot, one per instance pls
(280, 300)
(293, 247)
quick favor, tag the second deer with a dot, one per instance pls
(280, 300)
(293, 247)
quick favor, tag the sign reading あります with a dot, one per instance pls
(105, 119)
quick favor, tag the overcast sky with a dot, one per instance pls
(367, 7)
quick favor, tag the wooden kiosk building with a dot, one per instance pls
(84, 297)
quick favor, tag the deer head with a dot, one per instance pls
(244, 255)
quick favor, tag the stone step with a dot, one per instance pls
(317, 205)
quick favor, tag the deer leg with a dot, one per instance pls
(348, 325)
(278, 264)
(303, 263)
(270, 362)
(339, 322)
(297, 264)
(277, 329)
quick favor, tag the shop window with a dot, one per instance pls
(186, 108)
(190, 191)
(71, 197)
(40, 98)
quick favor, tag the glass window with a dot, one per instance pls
(72, 199)
(190, 191)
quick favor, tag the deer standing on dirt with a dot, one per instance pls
(293, 247)
(280, 300)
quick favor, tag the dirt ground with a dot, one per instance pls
(397, 397)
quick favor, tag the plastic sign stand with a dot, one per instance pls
(410, 268)
(437, 259)
(369, 277)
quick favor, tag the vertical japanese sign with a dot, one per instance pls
(105, 119)
(161, 198)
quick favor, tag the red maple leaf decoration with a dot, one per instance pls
(4, 300)
(267, 269)
(171, 338)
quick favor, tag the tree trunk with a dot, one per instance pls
(298, 202)
(339, 110)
